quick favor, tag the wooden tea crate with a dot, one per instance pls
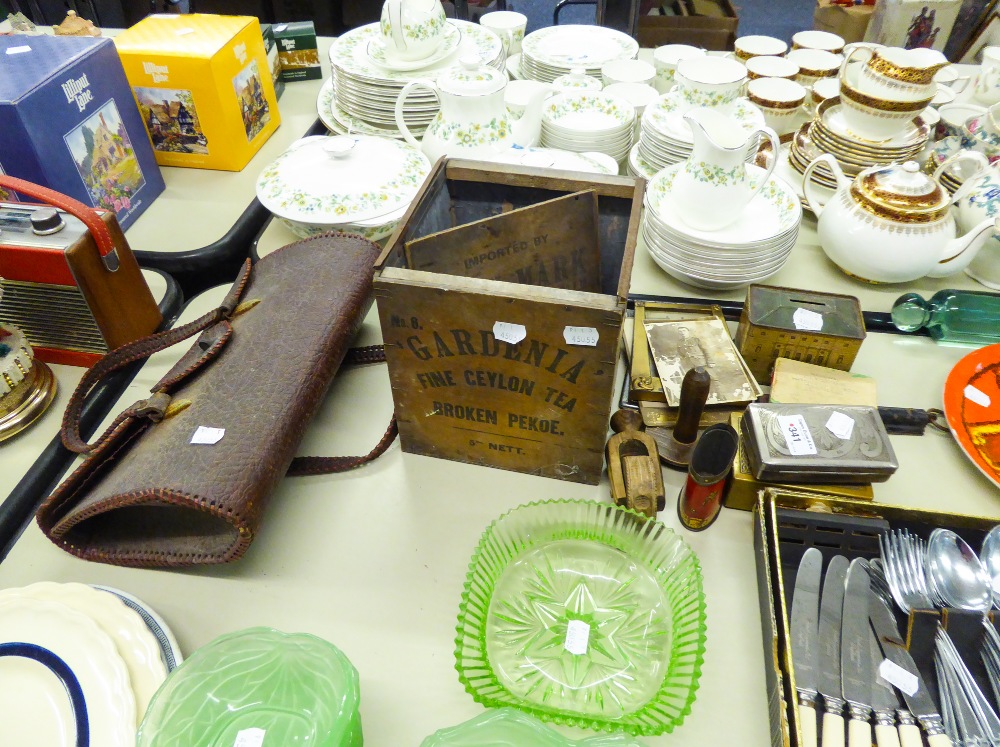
(539, 403)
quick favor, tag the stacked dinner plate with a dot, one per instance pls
(665, 137)
(362, 92)
(588, 122)
(118, 651)
(828, 133)
(748, 251)
(550, 52)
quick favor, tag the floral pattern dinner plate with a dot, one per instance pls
(578, 46)
(666, 117)
(349, 53)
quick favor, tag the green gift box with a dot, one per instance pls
(297, 51)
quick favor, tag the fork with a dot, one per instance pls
(903, 562)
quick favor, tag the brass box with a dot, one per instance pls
(786, 523)
(744, 487)
(826, 329)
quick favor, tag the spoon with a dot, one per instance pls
(956, 574)
(990, 556)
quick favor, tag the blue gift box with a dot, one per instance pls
(68, 121)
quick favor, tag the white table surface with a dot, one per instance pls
(374, 560)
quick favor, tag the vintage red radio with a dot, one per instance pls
(69, 278)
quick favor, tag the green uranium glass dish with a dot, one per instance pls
(584, 614)
(506, 727)
(294, 690)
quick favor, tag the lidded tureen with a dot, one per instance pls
(892, 224)
(359, 184)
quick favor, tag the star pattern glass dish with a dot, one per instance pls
(585, 614)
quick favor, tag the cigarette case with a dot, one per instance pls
(817, 443)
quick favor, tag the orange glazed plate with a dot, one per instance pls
(972, 408)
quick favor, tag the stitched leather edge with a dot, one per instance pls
(149, 558)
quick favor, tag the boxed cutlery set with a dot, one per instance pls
(876, 617)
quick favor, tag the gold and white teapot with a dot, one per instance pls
(892, 224)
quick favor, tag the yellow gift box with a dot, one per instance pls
(203, 85)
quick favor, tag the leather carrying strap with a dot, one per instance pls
(155, 407)
(87, 214)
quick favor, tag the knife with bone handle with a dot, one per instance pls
(918, 700)
(831, 610)
(857, 667)
(804, 614)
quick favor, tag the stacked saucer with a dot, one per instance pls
(366, 81)
(828, 133)
(748, 251)
(551, 52)
(588, 121)
(665, 137)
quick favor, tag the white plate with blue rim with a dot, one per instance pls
(34, 708)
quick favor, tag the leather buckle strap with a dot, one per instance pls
(136, 351)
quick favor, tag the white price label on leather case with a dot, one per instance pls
(797, 436)
(208, 436)
(587, 336)
(19, 50)
(840, 425)
(508, 332)
(899, 677)
(807, 320)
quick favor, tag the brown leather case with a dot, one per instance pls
(147, 496)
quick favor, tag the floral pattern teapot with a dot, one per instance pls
(978, 200)
(473, 121)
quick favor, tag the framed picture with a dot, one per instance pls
(970, 16)
(987, 35)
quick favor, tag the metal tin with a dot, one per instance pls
(822, 328)
(817, 443)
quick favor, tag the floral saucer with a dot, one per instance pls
(771, 212)
(379, 54)
(665, 116)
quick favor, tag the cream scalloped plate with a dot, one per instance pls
(35, 710)
(134, 642)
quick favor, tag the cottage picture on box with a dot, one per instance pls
(104, 156)
(172, 120)
(253, 105)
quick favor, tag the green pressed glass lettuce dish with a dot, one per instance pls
(289, 689)
(586, 614)
(506, 727)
